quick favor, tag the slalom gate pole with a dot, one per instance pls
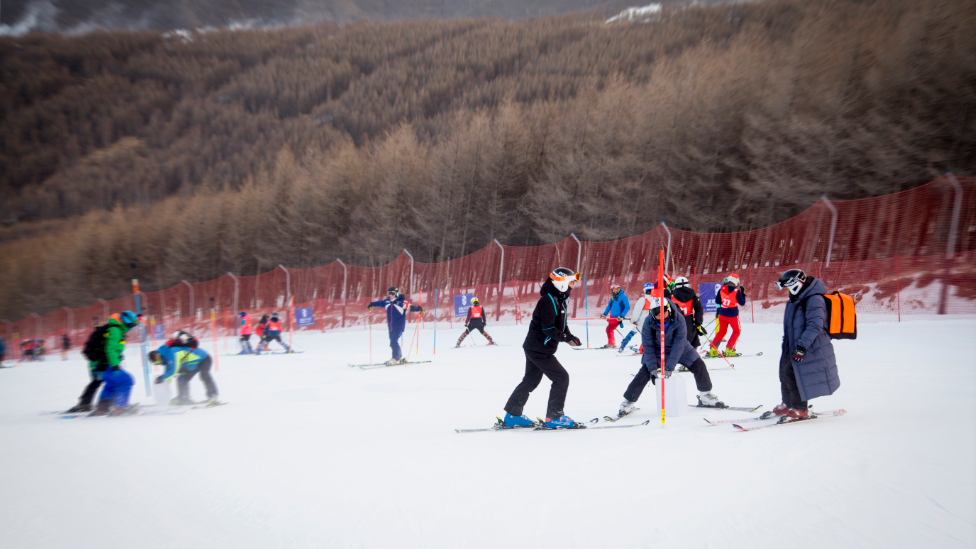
(420, 319)
(586, 313)
(415, 334)
(291, 324)
(435, 321)
(225, 330)
(213, 333)
(369, 316)
(660, 286)
(142, 329)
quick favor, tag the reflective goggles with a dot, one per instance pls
(789, 283)
(575, 276)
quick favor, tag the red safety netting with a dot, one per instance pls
(907, 253)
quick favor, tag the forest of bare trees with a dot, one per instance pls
(237, 151)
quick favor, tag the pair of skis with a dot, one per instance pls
(540, 425)
(138, 410)
(737, 422)
(377, 365)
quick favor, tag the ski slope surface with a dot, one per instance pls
(310, 452)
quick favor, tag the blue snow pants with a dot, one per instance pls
(118, 386)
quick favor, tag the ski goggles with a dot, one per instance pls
(575, 276)
(793, 281)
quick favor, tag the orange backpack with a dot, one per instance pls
(841, 315)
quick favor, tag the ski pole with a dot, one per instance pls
(435, 321)
(719, 354)
(369, 317)
(586, 313)
(410, 347)
(660, 323)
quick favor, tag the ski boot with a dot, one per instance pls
(608, 346)
(79, 408)
(515, 422)
(490, 341)
(129, 410)
(793, 414)
(460, 339)
(103, 408)
(562, 422)
(712, 353)
(707, 399)
(730, 352)
(626, 407)
(402, 360)
(180, 401)
(780, 410)
(211, 402)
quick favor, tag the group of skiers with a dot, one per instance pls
(268, 329)
(808, 368)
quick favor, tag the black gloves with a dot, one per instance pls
(574, 341)
(701, 330)
(799, 352)
(159, 379)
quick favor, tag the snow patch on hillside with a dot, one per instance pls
(643, 14)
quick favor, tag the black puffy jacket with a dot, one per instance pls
(548, 326)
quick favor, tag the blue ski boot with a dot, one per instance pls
(516, 421)
(562, 422)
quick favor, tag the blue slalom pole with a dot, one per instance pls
(435, 321)
(586, 312)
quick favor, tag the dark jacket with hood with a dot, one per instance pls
(804, 323)
(548, 326)
(677, 350)
(686, 295)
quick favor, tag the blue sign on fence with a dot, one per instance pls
(461, 304)
(303, 317)
(158, 332)
(707, 293)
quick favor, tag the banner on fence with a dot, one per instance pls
(158, 332)
(707, 293)
(303, 317)
(461, 304)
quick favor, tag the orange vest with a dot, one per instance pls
(476, 312)
(274, 326)
(246, 324)
(728, 299)
(686, 306)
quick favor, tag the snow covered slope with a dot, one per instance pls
(642, 14)
(312, 453)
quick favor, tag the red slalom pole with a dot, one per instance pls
(660, 323)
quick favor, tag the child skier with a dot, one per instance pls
(245, 327)
(396, 320)
(691, 307)
(728, 300)
(261, 328)
(185, 362)
(547, 328)
(677, 350)
(104, 351)
(638, 314)
(272, 332)
(616, 311)
(475, 321)
(807, 366)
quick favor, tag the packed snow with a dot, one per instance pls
(310, 452)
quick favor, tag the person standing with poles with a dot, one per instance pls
(691, 308)
(615, 312)
(476, 320)
(396, 320)
(546, 330)
(104, 352)
(677, 351)
(730, 297)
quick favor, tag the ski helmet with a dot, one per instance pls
(732, 279)
(614, 286)
(181, 336)
(154, 357)
(265, 317)
(393, 290)
(793, 280)
(128, 318)
(561, 277)
(474, 300)
(648, 287)
(274, 316)
(656, 305)
(681, 282)
(243, 314)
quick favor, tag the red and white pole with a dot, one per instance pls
(660, 323)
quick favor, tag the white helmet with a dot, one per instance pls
(655, 307)
(681, 282)
(561, 277)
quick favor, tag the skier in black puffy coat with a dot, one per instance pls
(547, 329)
(691, 308)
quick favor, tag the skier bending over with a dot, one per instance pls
(616, 311)
(547, 329)
(638, 314)
(677, 350)
(396, 320)
(729, 298)
(476, 321)
(104, 353)
(272, 332)
(807, 366)
(185, 362)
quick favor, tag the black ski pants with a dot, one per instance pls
(96, 373)
(636, 387)
(204, 370)
(787, 382)
(537, 365)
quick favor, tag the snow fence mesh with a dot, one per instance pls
(896, 254)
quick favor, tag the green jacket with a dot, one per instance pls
(114, 343)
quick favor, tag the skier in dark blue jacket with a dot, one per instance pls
(396, 320)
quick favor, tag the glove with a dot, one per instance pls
(574, 341)
(159, 379)
(369, 307)
(799, 352)
(620, 320)
(421, 311)
(667, 373)
(701, 330)
(603, 316)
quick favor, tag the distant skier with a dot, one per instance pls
(547, 328)
(272, 332)
(677, 351)
(807, 365)
(245, 331)
(475, 321)
(396, 320)
(615, 312)
(261, 328)
(104, 352)
(27, 351)
(65, 346)
(730, 297)
(185, 362)
(3, 350)
(691, 307)
(638, 314)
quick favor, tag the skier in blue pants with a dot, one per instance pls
(396, 320)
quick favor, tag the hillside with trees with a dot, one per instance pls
(197, 154)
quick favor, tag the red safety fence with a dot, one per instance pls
(907, 253)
